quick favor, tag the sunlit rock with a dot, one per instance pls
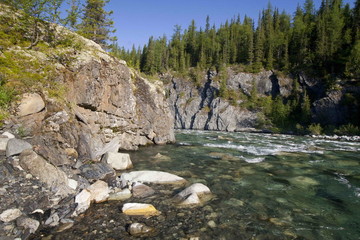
(139, 209)
(156, 177)
(118, 161)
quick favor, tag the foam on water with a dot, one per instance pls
(254, 160)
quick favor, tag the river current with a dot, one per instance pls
(269, 186)
(264, 187)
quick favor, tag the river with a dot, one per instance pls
(264, 186)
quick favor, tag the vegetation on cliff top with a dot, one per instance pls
(33, 49)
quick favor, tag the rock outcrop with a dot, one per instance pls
(88, 100)
(195, 107)
(198, 105)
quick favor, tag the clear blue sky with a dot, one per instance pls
(137, 20)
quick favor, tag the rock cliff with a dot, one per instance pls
(200, 107)
(84, 99)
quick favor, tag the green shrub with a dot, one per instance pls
(315, 129)
(349, 129)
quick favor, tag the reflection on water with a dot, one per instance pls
(268, 186)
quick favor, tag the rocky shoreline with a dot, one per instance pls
(38, 195)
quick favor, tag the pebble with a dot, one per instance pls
(139, 229)
(28, 176)
(212, 224)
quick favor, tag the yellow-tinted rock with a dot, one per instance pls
(139, 209)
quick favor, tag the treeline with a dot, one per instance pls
(88, 19)
(323, 42)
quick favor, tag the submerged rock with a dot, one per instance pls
(141, 190)
(156, 177)
(118, 161)
(139, 209)
(139, 229)
(193, 194)
(16, 146)
(120, 195)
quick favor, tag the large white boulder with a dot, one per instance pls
(118, 161)
(156, 177)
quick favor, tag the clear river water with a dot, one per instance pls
(269, 186)
(264, 187)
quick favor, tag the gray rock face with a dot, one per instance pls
(201, 108)
(116, 103)
(16, 146)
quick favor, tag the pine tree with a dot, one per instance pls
(96, 24)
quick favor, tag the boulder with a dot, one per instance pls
(10, 215)
(142, 191)
(139, 209)
(16, 146)
(47, 173)
(3, 143)
(118, 161)
(120, 195)
(97, 171)
(30, 103)
(99, 191)
(192, 199)
(193, 194)
(83, 200)
(140, 230)
(28, 223)
(156, 177)
(8, 135)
